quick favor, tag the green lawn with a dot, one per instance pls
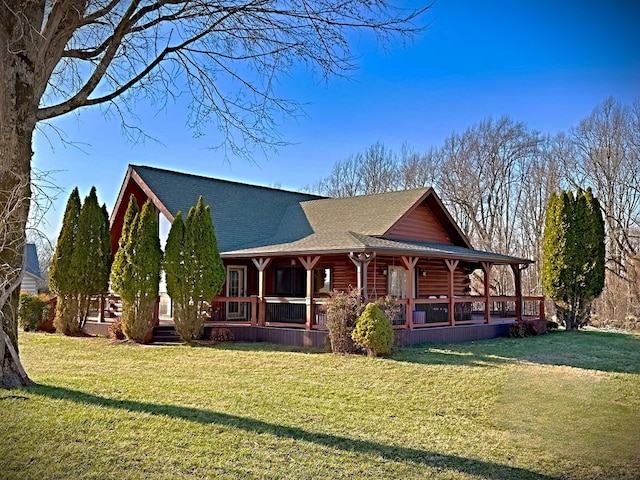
(557, 406)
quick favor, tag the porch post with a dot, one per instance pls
(410, 264)
(361, 261)
(486, 268)
(261, 264)
(518, 285)
(309, 263)
(451, 265)
(101, 316)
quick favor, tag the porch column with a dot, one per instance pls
(309, 264)
(361, 261)
(410, 264)
(451, 265)
(518, 285)
(102, 304)
(486, 268)
(261, 264)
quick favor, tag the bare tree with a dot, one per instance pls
(482, 178)
(416, 170)
(607, 158)
(373, 171)
(377, 169)
(343, 181)
(57, 56)
(541, 178)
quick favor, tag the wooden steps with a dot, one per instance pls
(165, 334)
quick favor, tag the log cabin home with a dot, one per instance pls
(285, 251)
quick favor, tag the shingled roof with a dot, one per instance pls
(259, 221)
(243, 215)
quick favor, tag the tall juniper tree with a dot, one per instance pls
(574, 260)
(135, 274)
(62, 279)
(193, 267)
(90, 260)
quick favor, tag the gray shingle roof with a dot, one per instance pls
(366, 214)
(243, 215)
(257, 221)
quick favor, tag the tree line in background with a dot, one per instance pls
(497, 177)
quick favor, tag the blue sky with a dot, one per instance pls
(546, 63)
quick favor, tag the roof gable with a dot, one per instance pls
(428, 220)
(366, 214)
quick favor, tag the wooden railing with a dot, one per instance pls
(412, 313)
(533, 307)
(285, 311)
(234, 310)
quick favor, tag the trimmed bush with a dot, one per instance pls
(30, 311)
(373, 331)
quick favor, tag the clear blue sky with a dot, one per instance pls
(547, 63)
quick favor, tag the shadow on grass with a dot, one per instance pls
(590, 350)
(392, 453)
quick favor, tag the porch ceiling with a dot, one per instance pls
(345, 242)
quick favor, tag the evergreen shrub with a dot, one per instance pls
(373, 331)
(194, 270)
(30, 311)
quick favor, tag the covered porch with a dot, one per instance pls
(292, 291)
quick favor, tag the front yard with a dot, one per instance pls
(557, 406)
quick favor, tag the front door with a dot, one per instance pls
(236, 287)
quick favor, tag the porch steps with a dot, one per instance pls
(165, 334)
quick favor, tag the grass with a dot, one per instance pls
(557, 406)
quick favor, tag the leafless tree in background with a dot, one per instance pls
(418, 170)
(542, 177)
(483, 176)
(378, 170)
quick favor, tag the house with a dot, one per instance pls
(32, 279)
(285, 251)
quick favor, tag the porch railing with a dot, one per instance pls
(284, 311)
(240, 310)
(422, 312)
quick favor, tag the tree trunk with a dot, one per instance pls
(20, 22)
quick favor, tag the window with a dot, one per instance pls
(395, 282)
(322, 280)
(290, 282)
